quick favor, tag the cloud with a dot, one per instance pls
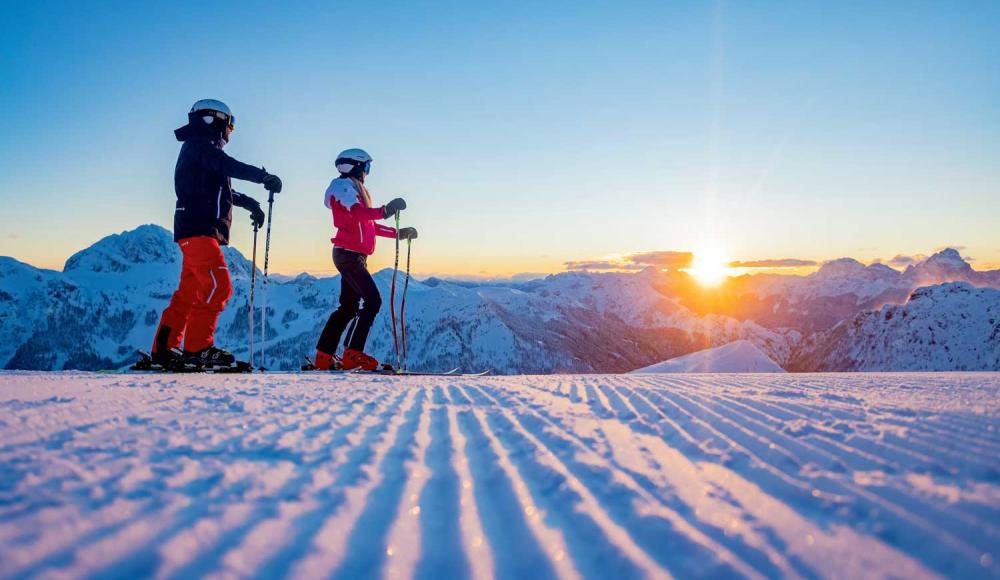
(675, 260)
(773, 263)
(13, 236)
(664, 259)
(600, 265)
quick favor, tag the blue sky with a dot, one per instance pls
(523, 135)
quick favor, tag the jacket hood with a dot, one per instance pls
(192, 131)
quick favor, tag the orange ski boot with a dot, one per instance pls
(325, 362)
(355, 359)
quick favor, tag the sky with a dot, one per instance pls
(523, 135)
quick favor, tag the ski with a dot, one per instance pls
(309, 368)
(453, 372)
(384, 372)
(145, 364)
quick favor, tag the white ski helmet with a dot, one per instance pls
(208, 110)
(349, 159)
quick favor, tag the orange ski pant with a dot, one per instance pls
(201, 296)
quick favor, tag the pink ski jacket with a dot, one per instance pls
(354, 217)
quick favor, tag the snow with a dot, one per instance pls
(740, 356)
(179, 476)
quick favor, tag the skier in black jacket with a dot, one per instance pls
(203, 215)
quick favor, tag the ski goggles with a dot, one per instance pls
(229, 119)
(368, 167)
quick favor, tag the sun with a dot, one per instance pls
(710, 266)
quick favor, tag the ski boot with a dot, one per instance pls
(355, 359)
(164, 361)
(323, 362)
(214, 359)
(168, 359)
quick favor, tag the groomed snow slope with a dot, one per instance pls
(861, 475)
(740, 356)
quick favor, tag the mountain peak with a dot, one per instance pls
(944, 266)
(949, 257)
(840, 267)
(119, 252)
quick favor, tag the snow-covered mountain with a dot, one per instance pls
(839, 290)
(739, 356)
(951, 326)
(948, 266)
(106, 302)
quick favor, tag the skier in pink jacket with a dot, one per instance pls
(354, 217)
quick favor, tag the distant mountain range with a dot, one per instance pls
(106, 302)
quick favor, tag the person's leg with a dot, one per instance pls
(214, 290)
(365, 286)
(346, 310)
(350, 329)
(174, 320)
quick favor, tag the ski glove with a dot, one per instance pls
(407, 233)
(272, 183)
(256, 214)
(250, 204)
(393, 207)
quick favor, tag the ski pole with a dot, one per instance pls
(263, 288)
(253, 286)
(392, 294)
(402, 306)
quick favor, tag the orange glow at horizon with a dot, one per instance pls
(710, 266)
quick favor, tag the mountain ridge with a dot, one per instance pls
(106, 302)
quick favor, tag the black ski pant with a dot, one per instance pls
(356, 285)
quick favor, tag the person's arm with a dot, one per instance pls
(217, 160)
(240, 199)
(379, 213)
(391, 209)
(385, 231)
(360, 212)
(250, 204)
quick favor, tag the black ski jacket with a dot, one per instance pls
(205, 195)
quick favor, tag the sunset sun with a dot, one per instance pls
(710, 266)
